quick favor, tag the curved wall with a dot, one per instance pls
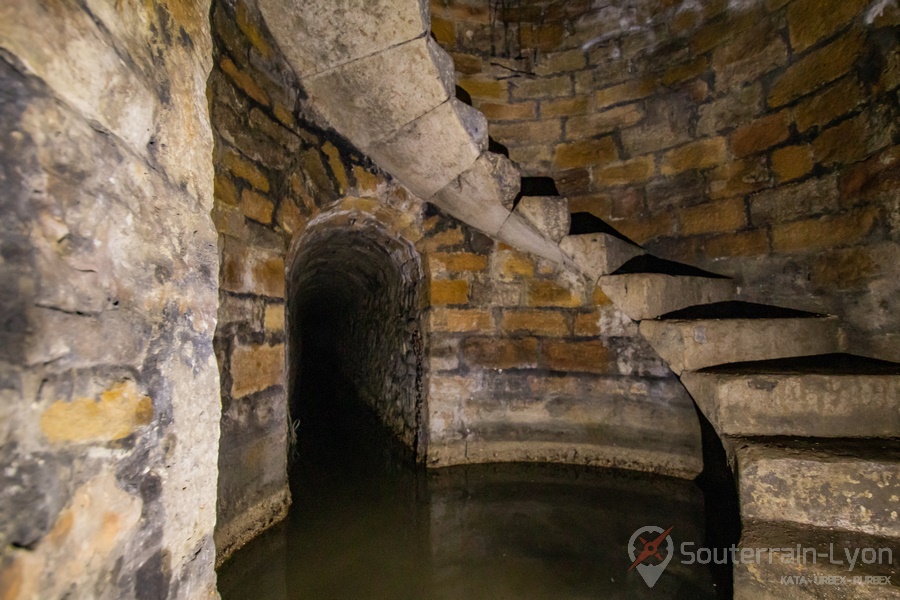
(756, 139)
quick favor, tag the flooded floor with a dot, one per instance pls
(366, 523)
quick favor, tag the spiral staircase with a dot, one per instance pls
(811, 433)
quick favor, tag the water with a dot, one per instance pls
(368, 524)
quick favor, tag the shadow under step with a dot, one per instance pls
(830, 395)
(596, 247)
(846, 484)
(646, 287)
(728, 332)
(778, 575)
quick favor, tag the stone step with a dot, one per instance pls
(728, 332)
(762, 578)
(595, 247)
(646, 287)
(831, 395)
(547, 214)
(846, 484)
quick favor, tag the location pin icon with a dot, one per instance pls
(641, 550)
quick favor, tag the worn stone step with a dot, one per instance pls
(728, 332)
(831, 395)
(547, 214)
(595, 247)
(851, 485)
(777, 575)
(646, 287)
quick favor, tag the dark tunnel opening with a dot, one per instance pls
(356, 355)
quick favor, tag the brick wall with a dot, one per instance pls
(530, 363)
(756, 139)
(274, 170)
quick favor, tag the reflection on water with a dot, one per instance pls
(367, 524)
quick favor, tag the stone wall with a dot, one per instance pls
(754, 138)
(528, 362)
(274, 170)
(108, 385)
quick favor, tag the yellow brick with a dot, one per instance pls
(256, 206)
(812, 20)
(585, 153)
(249, 25)
(116, 414)
(714, 217)
(586, 357)
(548, 293)
(484, 88)
(761, 134)
(244, 169)
(449, 291)
(458, 261)
(456, 320)
(701, 154)
(791, 163)
(534, 322)
(817, 68)
(256, 368)
(274, 317)
(826, 232)
(337, 167)
(624, 92)
(244, 81)
(630, 171)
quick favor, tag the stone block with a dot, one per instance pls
(548, 323)
(649, 295)
(817, 68)
(369, 99)
(689, 345)
(527, 133)
(847, 486)
(321, 35)
(597, 254)
(792, 202)
(456, 262)
(518, 232)
(792, 162)
(585, 153)
(761, 134)
(825, 232)
(713, 217)
(782, 399)
(243, 168)
(546, 87)
(483, 194)
(812, 20)
(598, 123)
(460, 320)
(829, 104)
(492, 353)
(255, 368)
(256, 206)
(624, 92)
(564, 107)
(516, 111)
(432, 151)
(548, 214)
(733, 109)
(579, 357)
(543, 293)
(449, 291)
(701, 154)
(636, 170)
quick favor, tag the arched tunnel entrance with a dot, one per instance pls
(355, 347)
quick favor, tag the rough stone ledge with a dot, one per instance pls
(252, 522)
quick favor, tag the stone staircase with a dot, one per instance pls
(812, 435)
